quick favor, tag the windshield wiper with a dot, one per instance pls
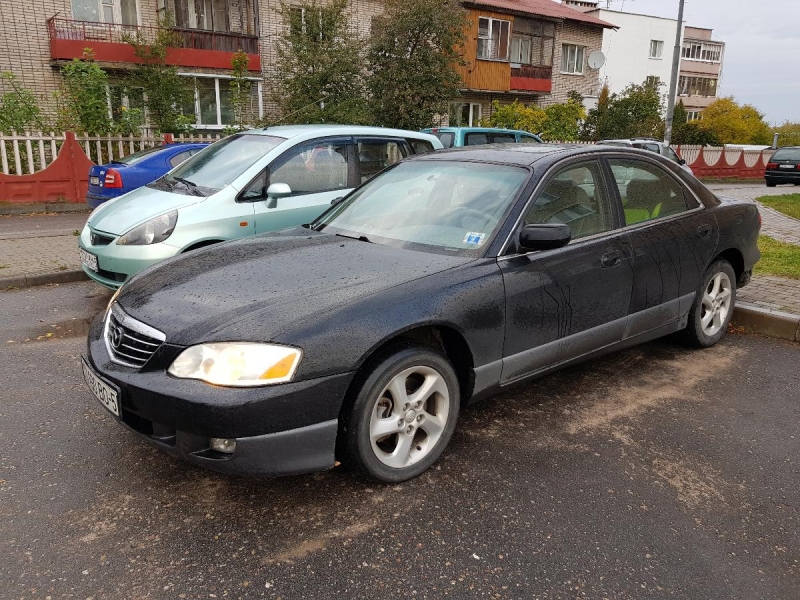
(360, 238)
(190, 185)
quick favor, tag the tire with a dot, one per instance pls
(713, 307)
(771, 184)
(417, 430)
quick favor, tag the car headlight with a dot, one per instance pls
(152, 231)
(237, 364)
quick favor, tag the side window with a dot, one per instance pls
(312, 169)
(376, 155)
(421, 146)
(475, 139)
(179, 158)
(528, 139)
(447, 138)
(503, 138)
(256, 190)
(650, 147)
(670, 154)
(647, 191)
(575, 197)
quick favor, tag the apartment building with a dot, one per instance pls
(532, 50)
(642, 47)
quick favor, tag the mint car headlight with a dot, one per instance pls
(151, 232)
(237, 364)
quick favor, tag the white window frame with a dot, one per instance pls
(656, 49)
(116, 8)
(570, 66)
(691, 50)
(217, 78)
(474, 107)
(693, 115)
(494, 25)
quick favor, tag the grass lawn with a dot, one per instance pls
(778, 258)
(788, 204)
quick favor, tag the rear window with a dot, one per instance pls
(446, 137)
(504, 138)
(420, 146)
(132, 159)
(787, 154)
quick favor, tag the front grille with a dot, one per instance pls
(100, 240)
(130, 342)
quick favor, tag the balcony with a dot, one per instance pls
(194, 47)
(531, 79)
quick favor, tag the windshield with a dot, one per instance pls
(218, 165)
(132, 159)
(441, 206)
(787, 154)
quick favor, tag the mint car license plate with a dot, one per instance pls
(88, 259)
(107, 395)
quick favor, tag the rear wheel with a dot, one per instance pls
(713, 305)
(403, 416)
(771, 184)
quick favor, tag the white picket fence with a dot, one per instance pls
(30, 152)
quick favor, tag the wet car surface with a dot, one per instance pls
(394, 320)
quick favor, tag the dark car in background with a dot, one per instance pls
(135, 170)
(447, 278)
(783, 167)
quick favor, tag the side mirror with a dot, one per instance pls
(544, 236)
(681, 161)
(275, 191)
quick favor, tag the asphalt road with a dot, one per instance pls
(656, 472)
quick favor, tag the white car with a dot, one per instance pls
(652, 145)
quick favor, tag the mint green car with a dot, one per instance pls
(251, 182)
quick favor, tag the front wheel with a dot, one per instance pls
(713, 305)
(771, 184)
(403, 416)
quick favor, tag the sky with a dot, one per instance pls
(762, 47)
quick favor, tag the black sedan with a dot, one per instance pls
(783, 167)
(446, 279)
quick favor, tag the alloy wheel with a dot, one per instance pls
(716, 303)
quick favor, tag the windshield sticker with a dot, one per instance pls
(473, 238)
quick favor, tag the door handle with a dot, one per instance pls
(611, 259)
(703, 231)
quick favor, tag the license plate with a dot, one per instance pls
(88, 259)
(104, 392)
(94, 181)
(786, 166)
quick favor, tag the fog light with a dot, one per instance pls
(225, 445)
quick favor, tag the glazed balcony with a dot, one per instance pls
(194, 47)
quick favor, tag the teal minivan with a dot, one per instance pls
(456, 137)
(251, 182)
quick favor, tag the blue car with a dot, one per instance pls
(135, 170)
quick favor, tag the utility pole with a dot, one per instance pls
(673, 80)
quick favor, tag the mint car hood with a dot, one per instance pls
(121, 214)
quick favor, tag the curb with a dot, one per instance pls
(57, 207)
(42, 279)
(754, 319)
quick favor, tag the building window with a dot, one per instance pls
(701, 51)
(532, 42)
(465, 114)
(697, 86)
(692, 115)
(212, 106)
(652, 81)
(656, 48)
(106, 11)
(572, 59)
(493, 38)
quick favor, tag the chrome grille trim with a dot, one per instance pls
(137, 339)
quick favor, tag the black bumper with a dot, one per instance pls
(279, 430)
(782, 176)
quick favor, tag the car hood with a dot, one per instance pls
(120, 215)
(276, 281)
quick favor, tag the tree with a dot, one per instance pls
(240, 88)
(731, 123)
(83, 97)
(517, 116)
(19, 110)
(318, 75)
(165, 91)
(414, 54)
(563, 121)
(788, 134)
(636, 112)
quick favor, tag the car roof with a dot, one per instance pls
(478, 130)
(526, 154)
(291, 131)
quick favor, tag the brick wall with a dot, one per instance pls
(587, 84)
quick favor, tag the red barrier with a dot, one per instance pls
(702, 162)
(66, 179)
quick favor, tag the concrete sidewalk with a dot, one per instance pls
(43, 248)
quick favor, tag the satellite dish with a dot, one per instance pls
(597, 59)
